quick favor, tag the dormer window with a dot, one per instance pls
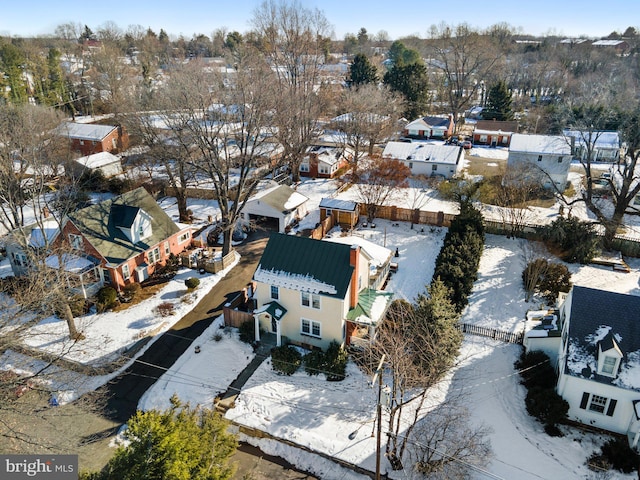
(609, 365)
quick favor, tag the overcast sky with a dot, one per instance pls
(561, 17)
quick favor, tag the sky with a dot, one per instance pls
(186, 17)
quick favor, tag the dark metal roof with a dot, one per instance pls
(327, 262)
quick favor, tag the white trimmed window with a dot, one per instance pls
(167, 249)
(597, 403)
(304, 167)
(183, 237)
(609, 365)
(310, 300)
(154, 255)
(311, 328)
(275, 292)
(126, 273)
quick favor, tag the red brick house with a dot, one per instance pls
(89, 138)
(323, 161)
(128, 236)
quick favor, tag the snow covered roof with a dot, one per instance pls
(542, 144)
(337, 204)
(423, 152)
(98, 160)
(305, 264)
(70, 262)
(379, 254)
(371, 307)
(85, 131)
(608, 43)
(595, 314)
(603, 139)
(281, 197)
(427, 123)
(542, 323)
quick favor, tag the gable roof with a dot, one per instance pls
(542, 144)
(599, 317)
(281, 198)
(426, 123)
(85, 131)
(423, 152)
(497, 125)
(305, 264)
(99, 225)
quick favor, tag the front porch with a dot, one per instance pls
(83, 274)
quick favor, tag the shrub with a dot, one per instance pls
(286, 359)
(131, 290)
(192, 282)
(335, 362)
(620, 455)
(106, 298)
(576, 240)
(314, 362)
(548, 278)
(165, 309)
(247, 331)
(547, 406)
(538, 371)
(78, 305)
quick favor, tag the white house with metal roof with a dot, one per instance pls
(550, 155)
(428, 159)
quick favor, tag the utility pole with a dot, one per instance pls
(378, 377)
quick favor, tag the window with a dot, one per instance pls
(483, 138)
(275, 292)
(81, 142)
(539, 158)
(141, 230)
(324, 169)
(598, 403)
(75, 241)
(410, 165)
(311, 328)
(434, 168)
(310, 300)
(560, 159)
(304, 167)
(183, 237)
(126, 273)
(154, 255)
(167, 249)
(114, 143)
(328, 212)
(608, 365)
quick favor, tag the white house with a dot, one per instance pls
(312, 292)
(427, 159)
(599, 361)
(549, 154)
(275, 207)
(606, 145)
(105, 162)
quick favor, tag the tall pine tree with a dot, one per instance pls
(498, 103)
(362, 71)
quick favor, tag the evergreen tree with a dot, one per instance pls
(181, 443)
(362, 71)
(12, 62)
(401, 55)
(412, 82)
(498, 103)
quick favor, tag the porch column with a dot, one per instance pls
(257, 327)
(278, 334)
(636, 437)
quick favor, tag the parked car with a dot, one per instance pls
(466, 144)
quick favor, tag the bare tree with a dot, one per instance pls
(520, 184)
(464, 58)
(368, 116)
(420, 343)
(444, 445)
(217, 125)
(112, 78)
(292, 39)
(377, 181)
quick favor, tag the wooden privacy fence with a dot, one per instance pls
(508, 337)
(416, 216)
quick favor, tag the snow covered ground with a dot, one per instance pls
(324, 415)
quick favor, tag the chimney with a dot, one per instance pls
(354, 257)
